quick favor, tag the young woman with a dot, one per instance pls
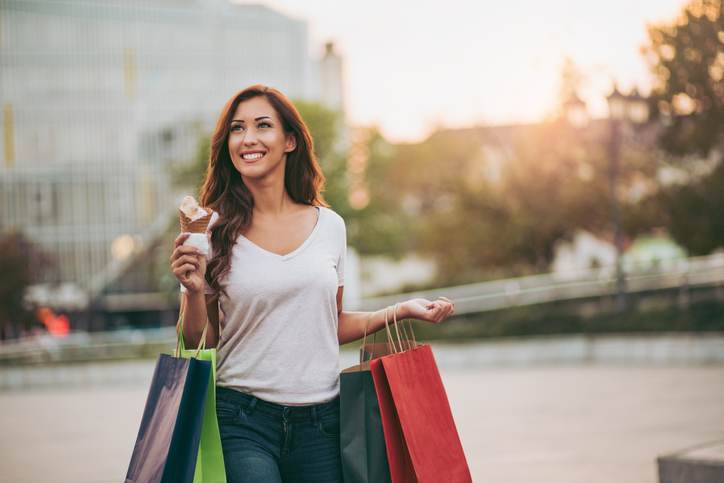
(272, 292)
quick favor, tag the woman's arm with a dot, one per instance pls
(351, 325)
(197, 307)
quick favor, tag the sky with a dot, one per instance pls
(413, 65)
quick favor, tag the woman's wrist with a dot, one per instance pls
(401, 311)
(193, 293)
(376, 320)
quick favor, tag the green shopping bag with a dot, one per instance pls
(210, 461)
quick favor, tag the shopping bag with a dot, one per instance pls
(168, 438)
(210, 461)
(362, 441)
(423, 410)
(420, 434)
(398, 456)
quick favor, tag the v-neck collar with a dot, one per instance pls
(296, 250)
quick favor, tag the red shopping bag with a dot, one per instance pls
(398, 457)
(422, 441)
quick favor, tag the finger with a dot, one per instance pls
(181, 238)
(445, 310)
(184, 269)
(450, 302)
(445, 299)
(186, 259)
(184, 250)
(437, 313)
(192, 259)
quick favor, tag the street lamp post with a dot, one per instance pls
(631, 108)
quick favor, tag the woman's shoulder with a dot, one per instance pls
(334, 216)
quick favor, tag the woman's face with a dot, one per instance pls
(258, 144)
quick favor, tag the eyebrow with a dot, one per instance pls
(256, 119)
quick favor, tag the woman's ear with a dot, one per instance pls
(291, 143)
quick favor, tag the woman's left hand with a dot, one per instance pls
(431, 311)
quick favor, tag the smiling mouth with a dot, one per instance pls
(252, 156)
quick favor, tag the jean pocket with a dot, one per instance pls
(226, 411)
(328, 425)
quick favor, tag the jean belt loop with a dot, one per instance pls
(313, 411)
(251, 404)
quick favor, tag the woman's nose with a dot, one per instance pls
(250, 137)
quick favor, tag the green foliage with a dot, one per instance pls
(694, 212)
(380, 227)
(687, 59)
(192, 174)
(498, 211)
(325, 126)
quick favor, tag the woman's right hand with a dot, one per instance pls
(188, 265)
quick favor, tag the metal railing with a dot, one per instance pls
(555, 287)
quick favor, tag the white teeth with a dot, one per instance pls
(252, 156)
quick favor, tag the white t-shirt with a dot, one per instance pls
(278, 340)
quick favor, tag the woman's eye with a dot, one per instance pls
(264, 124)
(236, 127)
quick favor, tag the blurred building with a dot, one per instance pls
(101, 99)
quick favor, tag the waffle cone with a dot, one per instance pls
(196, 226)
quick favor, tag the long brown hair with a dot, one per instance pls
(225, 192)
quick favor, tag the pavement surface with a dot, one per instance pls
(583, 423)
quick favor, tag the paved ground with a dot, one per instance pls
(550, 424)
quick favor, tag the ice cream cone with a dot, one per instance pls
(195, 226)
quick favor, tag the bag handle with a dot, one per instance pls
(180, 334)
(374, 339)
(397, 329)
(390, 339)
(411, 344)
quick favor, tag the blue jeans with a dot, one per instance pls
(271, 443)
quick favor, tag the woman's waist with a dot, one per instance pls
(289, 411)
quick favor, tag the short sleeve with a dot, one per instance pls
(342, 255)
(208, 290)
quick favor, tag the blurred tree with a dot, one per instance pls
(687, 60)
(192, 175)
(456, 213)
(326, 127)
(694, 212)
(556, 185)
(493, 202)
(21, 264)
(376, 224)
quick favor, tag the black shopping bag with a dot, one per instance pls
(364, 455)
(362, 440)
(168, 440)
